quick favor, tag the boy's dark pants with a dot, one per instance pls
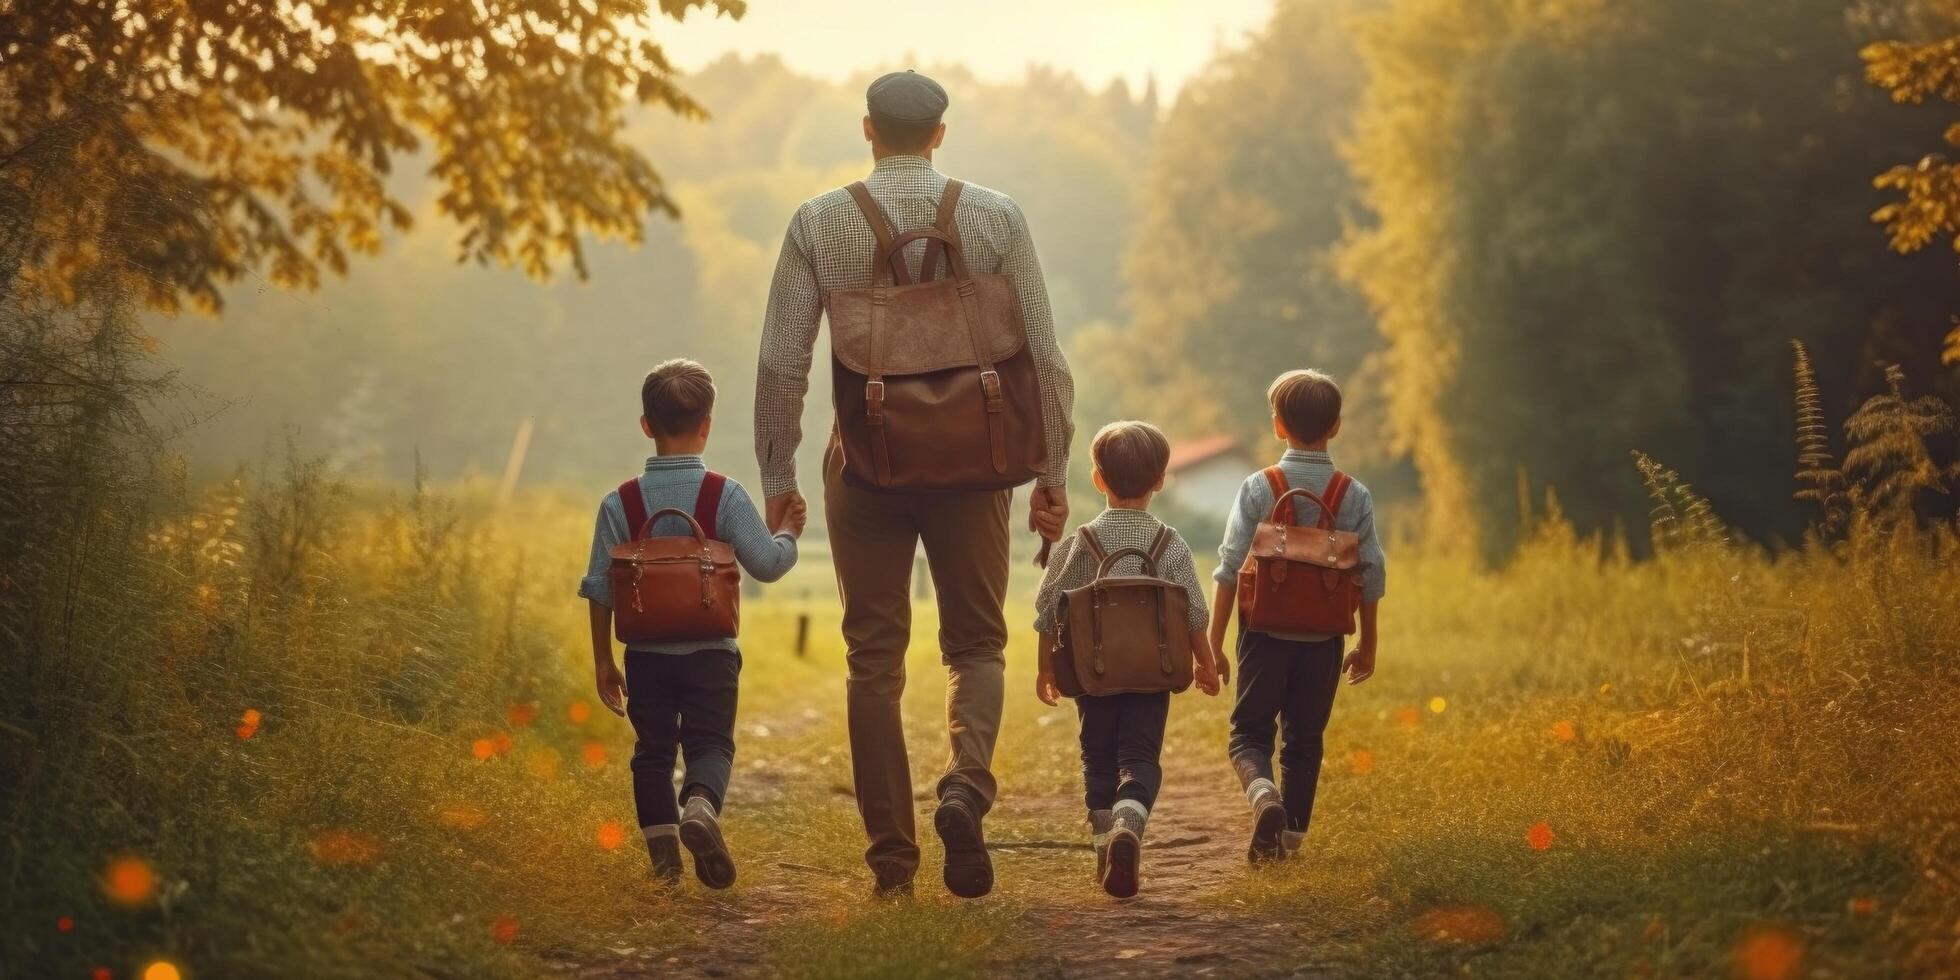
(686, 702)
(1122, 735)
(1294, 680)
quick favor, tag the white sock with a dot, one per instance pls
(1142, 812)
(1258, 788)
(1290, 839)
(661, 830)
(698, 808)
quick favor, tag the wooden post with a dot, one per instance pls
(802, 634)
(520, 446)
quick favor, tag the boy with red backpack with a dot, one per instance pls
(662, 572)
(1300, 559)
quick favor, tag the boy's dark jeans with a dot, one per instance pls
(684, 702)
(1295, 681)
(1122, 735)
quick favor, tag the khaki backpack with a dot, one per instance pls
(934, 385)
(1123, 634)
(1301, 579)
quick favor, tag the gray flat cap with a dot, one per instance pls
(907, 97)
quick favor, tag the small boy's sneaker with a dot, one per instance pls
(664, 844)
(1124, 868)
(1268, 822)
(701, 832)
(1100, 824)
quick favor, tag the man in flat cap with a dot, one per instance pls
(874, 534)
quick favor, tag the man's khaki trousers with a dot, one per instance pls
(873, 538)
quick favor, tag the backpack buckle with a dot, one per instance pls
(874, 402)
(990, 385)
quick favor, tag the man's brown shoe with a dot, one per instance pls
(969, 871)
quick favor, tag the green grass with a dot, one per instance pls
(1755, 745)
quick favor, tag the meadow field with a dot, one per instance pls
(300, 728)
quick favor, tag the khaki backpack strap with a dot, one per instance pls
(1157, 546)
(1276, 479)
(883, 231)
(949, 200)
(1089, 541)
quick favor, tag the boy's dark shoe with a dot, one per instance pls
(1100, 824)
(1268, 829)
(701, 832)
(891, 882)
(664, 844)
(969, 871)
(1123, 870)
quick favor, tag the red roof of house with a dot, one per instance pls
(1195, 451)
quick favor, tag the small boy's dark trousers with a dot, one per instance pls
(1122, 735)
(1293, 681)
(682, 702)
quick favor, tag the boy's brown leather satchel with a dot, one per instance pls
(1123, 634)
(934, 385)
(670, 589)
(1301, 579)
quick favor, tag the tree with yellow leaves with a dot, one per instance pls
(178, 146)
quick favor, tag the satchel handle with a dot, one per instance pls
(889, 257)
(1109, 561)
(693, 525)
(1326, 522)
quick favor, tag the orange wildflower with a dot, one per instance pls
(1768, 952)
(248, 723)
(483, 749)
(503, 929)
(1408, 717)
(594, 754)
(502, 742)
(65, 923)
(522, 713)
(579, 712)
(162, 970)
(1540, 836)
(1470, 925)
(129, 881)
(340, 847)
(1862, 906)
(611, 835)
(1363, 762)
(1564, 730)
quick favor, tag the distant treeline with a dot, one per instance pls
(1534, 235)
(1530, 236)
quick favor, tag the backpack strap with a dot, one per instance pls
(635, 506)
(1276, 480)
(1089, 541)
(1157, 546)
(883, 230)
(949, 200)
(1337, 487)
(707, 503)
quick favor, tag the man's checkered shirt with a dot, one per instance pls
(829, 246)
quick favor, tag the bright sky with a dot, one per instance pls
(1097, 40)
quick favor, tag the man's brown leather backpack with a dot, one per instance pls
(1301, 579)
(674, 588)
(1123, 634)
(934, 385)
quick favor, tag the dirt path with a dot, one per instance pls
(1065, 927)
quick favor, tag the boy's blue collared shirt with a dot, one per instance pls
(675, 481)
(1310, 469)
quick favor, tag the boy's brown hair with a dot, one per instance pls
(1131, 457)
(676, 396)
(1306, 402)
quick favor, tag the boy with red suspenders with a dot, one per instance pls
(1287, 677)
(681, 695)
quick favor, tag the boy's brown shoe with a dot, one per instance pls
(701, 832)
(664, 844)
(1123, 870)
(969, 870)
(891, 882)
